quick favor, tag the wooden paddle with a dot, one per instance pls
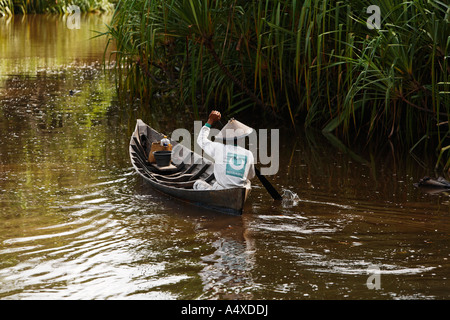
(270, 189)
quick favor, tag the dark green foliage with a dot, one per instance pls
(11, 7)
(311, 62)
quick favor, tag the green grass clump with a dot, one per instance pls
(12, 7)
(312, 63)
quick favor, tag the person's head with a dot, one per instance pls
(234, 133)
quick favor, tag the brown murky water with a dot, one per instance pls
(76, 221)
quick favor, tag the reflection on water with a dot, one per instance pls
(33, 44)
(76, 222)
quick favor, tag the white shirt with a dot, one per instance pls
(233, 165)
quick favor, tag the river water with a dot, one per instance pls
(76, 221)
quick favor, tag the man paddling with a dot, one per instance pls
(233, 165)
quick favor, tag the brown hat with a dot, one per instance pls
(233, 130)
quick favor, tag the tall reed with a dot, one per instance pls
(11, 7)
(311, 62)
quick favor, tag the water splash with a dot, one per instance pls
(290, 198)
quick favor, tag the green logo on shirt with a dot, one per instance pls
(236, 165)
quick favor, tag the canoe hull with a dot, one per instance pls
(230, 201)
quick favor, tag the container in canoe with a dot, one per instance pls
(178, 178)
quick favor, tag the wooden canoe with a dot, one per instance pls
(177, 180)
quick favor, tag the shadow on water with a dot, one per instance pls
(77, 222)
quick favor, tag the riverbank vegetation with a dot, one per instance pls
(12, 7)
(314, 63)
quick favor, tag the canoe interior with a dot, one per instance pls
(178, 180)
